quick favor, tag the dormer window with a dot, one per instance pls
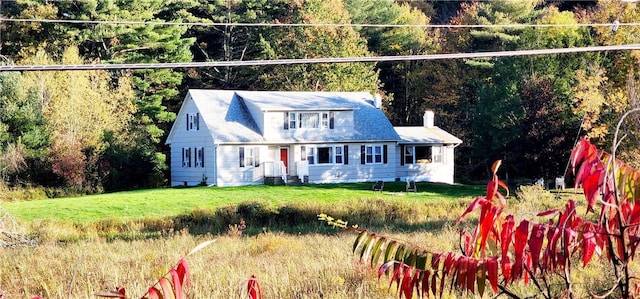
(193, 121)
(309, 120)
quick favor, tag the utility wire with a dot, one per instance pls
(215, 24)
(173, 65)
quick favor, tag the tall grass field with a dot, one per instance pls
(96, 243)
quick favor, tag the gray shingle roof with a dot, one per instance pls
(229, 121)
(422, 135)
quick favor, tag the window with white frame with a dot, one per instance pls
(186, 157)
(249, 156)
(193, 121)
(408, 154)
(293, 117)
(324, 154)
(338, 154)
(437, 154)
(373, 154)
(324, 123)
(311, 155)
(309, 120)
(423, 154)
(200, 157)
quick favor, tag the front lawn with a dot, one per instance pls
(171, 202)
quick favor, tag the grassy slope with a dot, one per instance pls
(170, 202)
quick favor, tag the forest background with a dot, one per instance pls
(97, 130)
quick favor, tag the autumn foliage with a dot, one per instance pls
(502, 250)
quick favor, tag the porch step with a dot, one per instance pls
(294, 180)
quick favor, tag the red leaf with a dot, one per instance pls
(407, 286)
(384, 267)
(253, 288)
(472, 268)
(505, 236)
(578, 152)
(397, 275)
(177, 284)
(478, 202)
(462, 268)
(506, 268)
(425, 283)
(522, 234)
(535, 244)
(588, 246)
(547, 212)
(492, 272)
(591, 186)
(165, 285)
(154, 293)
(487, 220)
(183, 272)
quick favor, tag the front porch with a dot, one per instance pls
(276, 173)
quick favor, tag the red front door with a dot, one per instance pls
(284, 157)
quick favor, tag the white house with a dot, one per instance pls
(230, 138)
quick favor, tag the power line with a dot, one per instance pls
(173, 65)
(217, 24)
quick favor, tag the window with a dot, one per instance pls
(325, 120)
(324, 154)
(338, 154)
(292, 120)
(311, 155)
(423, 154)
(193, 121)
(436, 153)
(408, 154)
(186, 157)
(309, 120)
(249, 156)
(200, 157)
(373, 154)
(303, 153)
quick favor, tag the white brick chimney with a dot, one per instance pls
(428, 118)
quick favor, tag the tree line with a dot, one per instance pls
(99, 130)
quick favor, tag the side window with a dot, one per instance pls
(200, 157)
(186, 157)
(408, 154)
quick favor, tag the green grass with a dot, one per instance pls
(172, 202)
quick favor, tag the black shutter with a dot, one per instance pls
(286, 120)
(241, 151)
(187, 121)
(402, 154)
(331, 125)
(197, 121)
(384, 154)
(183, 157)
(202, 158)
(345, 153)
(189, 156)
(362, 155)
